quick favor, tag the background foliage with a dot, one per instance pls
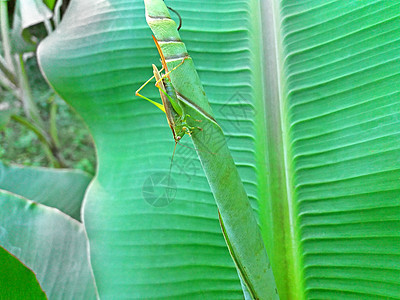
(19, 144)
(312, 123)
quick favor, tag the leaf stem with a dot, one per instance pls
(5, 35)
(29, 105)
(52, 120)
(8, 73)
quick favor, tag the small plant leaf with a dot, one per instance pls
(50, 243)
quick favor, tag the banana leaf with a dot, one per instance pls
(60, 188)
(50, 243)
(27, 13)
(307, 95)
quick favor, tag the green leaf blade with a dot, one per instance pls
(50, 243)
(239, 226)
(340, 109)
(63, 189)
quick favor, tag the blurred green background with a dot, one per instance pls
(20, 145)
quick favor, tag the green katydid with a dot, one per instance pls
(175, 114)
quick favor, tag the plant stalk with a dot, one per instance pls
(7, 72)
(5, 36)
(29, 105)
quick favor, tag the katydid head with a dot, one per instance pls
(179, 133)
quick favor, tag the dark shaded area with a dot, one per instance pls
(16, 280)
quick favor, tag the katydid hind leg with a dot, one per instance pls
(146, 83)
(160, 106)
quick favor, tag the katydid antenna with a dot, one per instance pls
(179, 16)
